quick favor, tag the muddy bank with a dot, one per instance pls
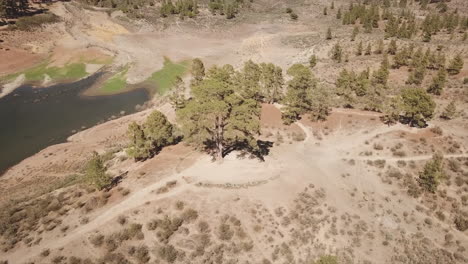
(33, 119)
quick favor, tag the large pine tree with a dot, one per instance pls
(217, 117)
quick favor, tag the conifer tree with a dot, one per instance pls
(312, 61)
(400, 59)
(95, 172)
(392, 47)
(381, 75)
(177, 97)
(450, 111)
(440, 60)
(248, 81)
(456, 65)
(432, 173)
(271, 82)
(329, 34)
(380, 47)
(438, 82)
(391, 28)
(148, 139)
(368, 50)
(140, 148)
(359, 49)
(416, 76)
(392, 109)
(325, 11)
(355, 33)
(304, 96)
(367, 26)
(338, 13)
(158, 131)
(417, 106)
(198, 71)
(337, 53)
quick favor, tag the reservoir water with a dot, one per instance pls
(34, 118)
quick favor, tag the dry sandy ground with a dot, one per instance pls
(237, 185)
(350, 209)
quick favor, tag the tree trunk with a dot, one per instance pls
(219, 139)
(219, 154)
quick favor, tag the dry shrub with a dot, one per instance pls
(225, 232)
(298, 136)
(97, 240)
(203, 227)
(142, 254)
(189, 215)
(167, 227)
(122, 220)
(179, 205)
(437, 130)
(152, 225)
(58, 259)
(378, 146)
(461, 223)
(168, 253)
(113, 258)
(74, 260)
(45, 252)
(379, 164)
(453, 165)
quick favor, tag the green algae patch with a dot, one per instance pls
(163, 80)
(116, 83)
(69, 72)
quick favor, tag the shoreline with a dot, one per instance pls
(90, 112)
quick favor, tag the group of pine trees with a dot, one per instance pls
(402, 23)
(369, 91)
(182, 8)
(124, 5)
(364, 90)
(13, 8)
(368, 17)
(229, 8)
(417, 60)
(222, 112)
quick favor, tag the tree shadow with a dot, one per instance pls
(115, 181)
(247, 151)
(419, 123)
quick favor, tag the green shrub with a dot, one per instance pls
(31, 22)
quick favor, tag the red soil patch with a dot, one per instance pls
(271, 118)
(14, 60)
